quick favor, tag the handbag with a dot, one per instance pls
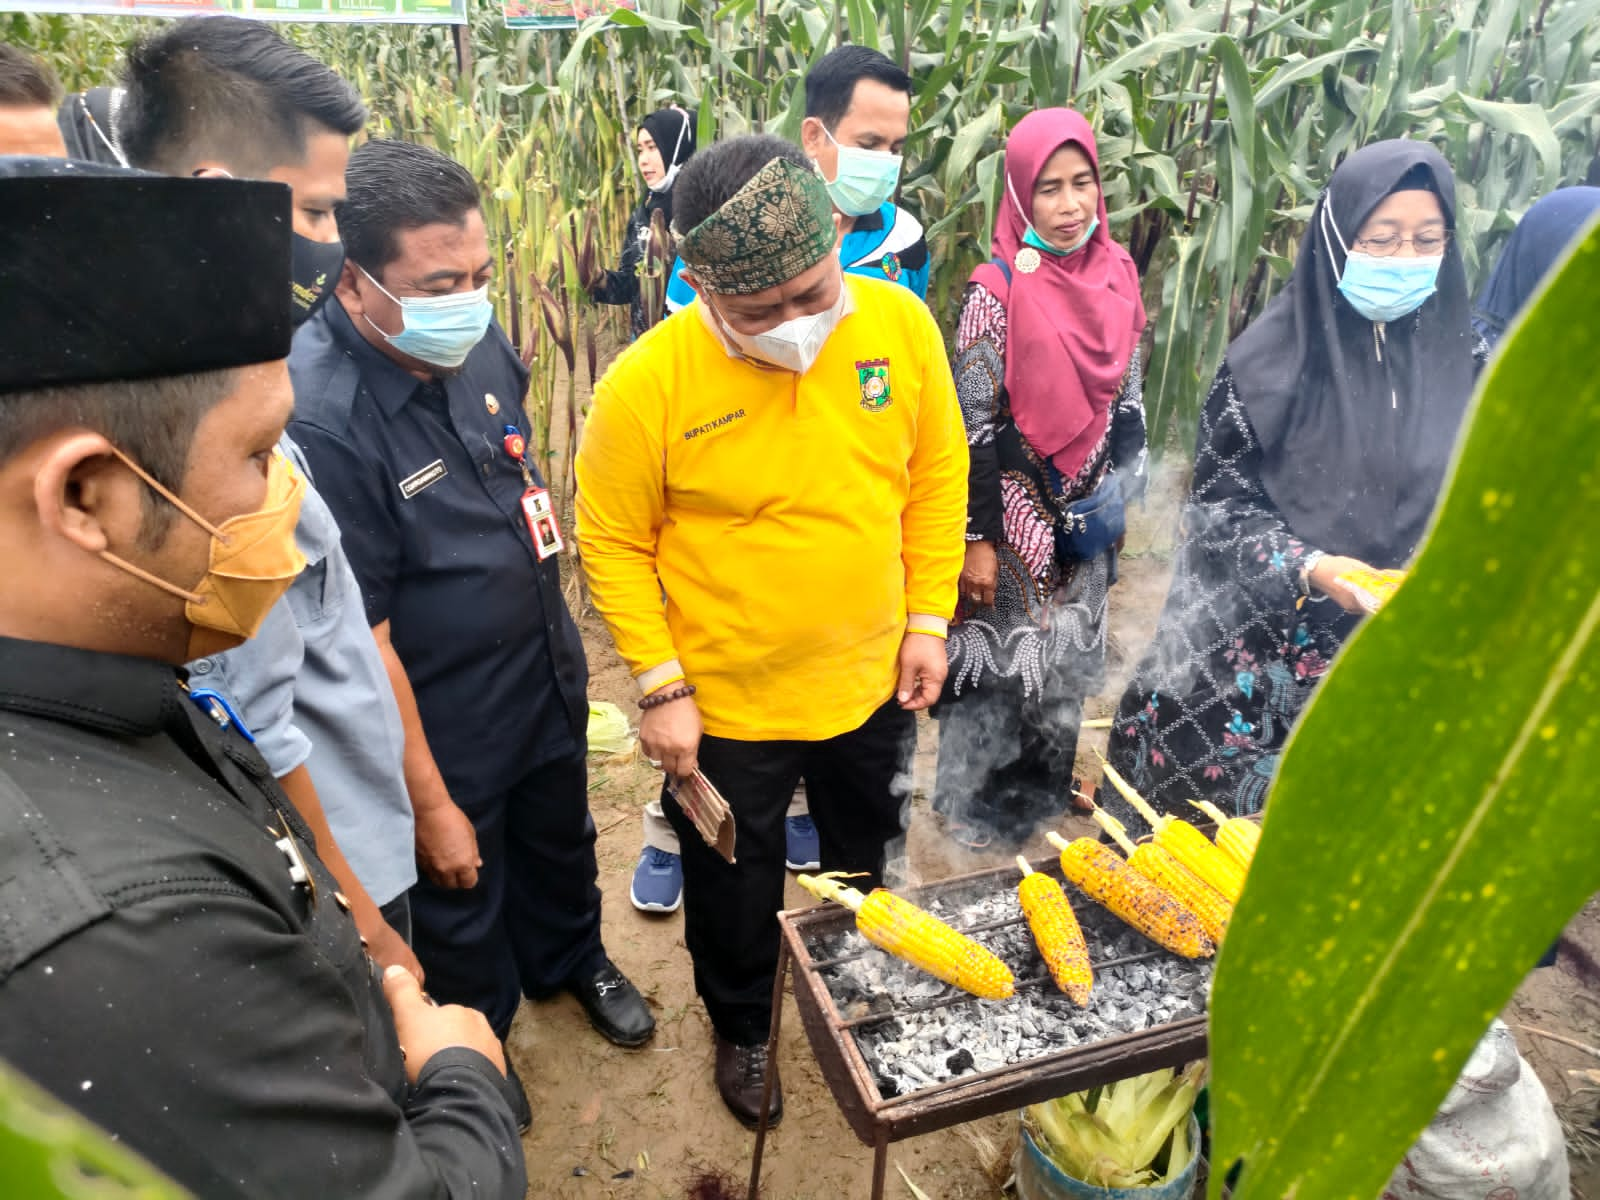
(1091, 526)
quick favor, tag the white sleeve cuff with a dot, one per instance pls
(927, 623)
(656, 676)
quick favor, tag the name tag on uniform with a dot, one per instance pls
(542, 525)
(423, 479)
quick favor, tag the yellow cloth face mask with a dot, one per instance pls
(254, 559)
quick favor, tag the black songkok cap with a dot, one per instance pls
(108, 274)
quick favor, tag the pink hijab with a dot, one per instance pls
(1073, 323)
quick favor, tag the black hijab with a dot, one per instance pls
(673, 132)
(1353, 471)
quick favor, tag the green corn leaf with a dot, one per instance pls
(1528, 121)
(968, 142)
(49, 1152)
(1460, 730)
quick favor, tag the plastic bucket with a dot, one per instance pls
(1040, 1179)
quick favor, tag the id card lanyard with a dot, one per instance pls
(537, 510)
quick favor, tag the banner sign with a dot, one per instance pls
(559, 14)
(411, 12)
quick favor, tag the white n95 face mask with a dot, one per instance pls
(791, 346)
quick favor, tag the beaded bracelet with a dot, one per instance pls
(657, 699)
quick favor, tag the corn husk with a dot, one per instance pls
(1114, 1135)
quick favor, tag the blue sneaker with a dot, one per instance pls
(802, 850)
(657, 882)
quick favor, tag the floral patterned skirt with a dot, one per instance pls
(1206, 717)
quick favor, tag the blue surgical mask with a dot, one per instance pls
(1386, 289)
(1383, 289)
(864, 180)
(438, 330)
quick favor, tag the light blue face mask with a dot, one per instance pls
(438, 330)
(864, 180)
(1384, 289)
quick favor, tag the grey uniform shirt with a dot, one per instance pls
(312, 688)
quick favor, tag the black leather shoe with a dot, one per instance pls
(741, 1071)
(521, 1109)
(615, 1006)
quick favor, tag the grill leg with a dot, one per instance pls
(880, 1162)
(754, 1190)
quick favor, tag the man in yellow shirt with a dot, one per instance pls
(785, 461)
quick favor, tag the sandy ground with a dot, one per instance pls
(642, 1123)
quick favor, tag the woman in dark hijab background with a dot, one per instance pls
(1321, 451)
(665, 141)
(1537, 244)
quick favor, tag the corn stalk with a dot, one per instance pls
(1218, 122)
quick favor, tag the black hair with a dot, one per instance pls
(392, 185)
(831, 84)
(230, 90)
(152, 421)
(25, 81)
(710, 178)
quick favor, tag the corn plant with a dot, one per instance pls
(1218, 120)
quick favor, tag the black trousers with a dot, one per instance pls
(858, 788)
(532, 925)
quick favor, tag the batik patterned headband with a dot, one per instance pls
(773, 228)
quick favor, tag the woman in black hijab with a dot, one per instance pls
(1322, 448)
(665, 140)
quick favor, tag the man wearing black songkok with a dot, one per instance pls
(175, 961)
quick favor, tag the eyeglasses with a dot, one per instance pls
(1427, 244)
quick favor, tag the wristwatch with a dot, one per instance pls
(1307, 565)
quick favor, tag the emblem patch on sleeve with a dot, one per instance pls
(874, 376)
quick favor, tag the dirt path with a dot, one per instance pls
(617, 1123)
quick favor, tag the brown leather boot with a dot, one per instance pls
(741, 1071)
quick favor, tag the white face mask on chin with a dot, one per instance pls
(791, 346)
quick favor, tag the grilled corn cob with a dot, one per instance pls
(1106, 879)
(922, 940)
(1184, 842)
(1236, 837)
(1172, 877)
(1056, 931)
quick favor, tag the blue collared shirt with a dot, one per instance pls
(429, 505)
(312, 689)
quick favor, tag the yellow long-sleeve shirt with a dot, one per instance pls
(792, 521)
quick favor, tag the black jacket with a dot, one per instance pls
(161, 972)
(624, 286)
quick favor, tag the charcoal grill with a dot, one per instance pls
(878, 1119)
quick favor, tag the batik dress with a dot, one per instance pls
(1021, 669)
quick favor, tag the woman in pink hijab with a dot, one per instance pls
(1047, 368)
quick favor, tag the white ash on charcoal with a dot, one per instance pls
(932, 1032)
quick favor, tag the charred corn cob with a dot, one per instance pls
(1109, 881)
(1184, 842)
(921, 939)
(1172, 877)
(1055, 929)
(1236, 837)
